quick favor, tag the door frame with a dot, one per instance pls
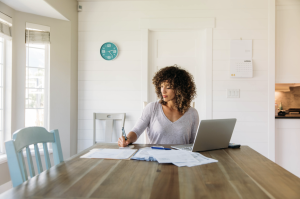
(180, 24)
(271, 79)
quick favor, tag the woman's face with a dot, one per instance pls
(167, 92)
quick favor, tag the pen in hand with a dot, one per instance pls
(123, 133)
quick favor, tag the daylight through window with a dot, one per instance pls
(36, 85)
(2, 50)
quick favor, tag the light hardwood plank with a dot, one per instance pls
(270, 176)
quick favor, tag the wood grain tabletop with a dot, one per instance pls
(239, 173)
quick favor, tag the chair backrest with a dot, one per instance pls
(109, 118)
(22, 139)
(146, 138)
(193, 104)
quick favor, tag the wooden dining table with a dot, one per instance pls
(239, 173)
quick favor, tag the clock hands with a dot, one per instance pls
(108, 51)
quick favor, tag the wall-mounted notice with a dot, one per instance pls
(241, 58)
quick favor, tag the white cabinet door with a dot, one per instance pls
(287, 42)
(287, 148)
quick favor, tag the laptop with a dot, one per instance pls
(211, 134)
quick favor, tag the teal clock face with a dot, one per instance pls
(109, 51)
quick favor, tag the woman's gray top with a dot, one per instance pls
(161, 130)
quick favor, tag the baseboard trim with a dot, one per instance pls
(6, 186)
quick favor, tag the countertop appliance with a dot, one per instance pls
(281, 113)
(294, 110)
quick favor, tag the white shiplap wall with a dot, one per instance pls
(116, 86)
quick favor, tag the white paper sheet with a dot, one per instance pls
(127, 147)
(143, 154)
(241, 49)
(109, 153)
(170, 156)
(200, 160)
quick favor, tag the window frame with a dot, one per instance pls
(7, 93)
(46, 83)
(2, 122)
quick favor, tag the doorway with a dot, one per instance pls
(183, 48)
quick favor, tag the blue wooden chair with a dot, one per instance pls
(22, 139)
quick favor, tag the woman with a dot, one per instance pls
(170, 120)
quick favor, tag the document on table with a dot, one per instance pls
(110, 153)
(170, 156)
(180, 157)
(143, 154)
(200, 160)
(127, 147)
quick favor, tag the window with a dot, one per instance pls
(2, 51)
(36, 91)
(5, 90)
(5, 79)
(37, 39)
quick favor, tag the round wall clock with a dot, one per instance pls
(109, 51)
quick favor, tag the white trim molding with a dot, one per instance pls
(177, 23)
(32, 26)
(208, 74)
(145, 61)
(271, 80)
(6, 19)
(6, 186)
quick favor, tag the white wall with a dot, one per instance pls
(63, 73)
(60, 74)
(115, 86)
(68, 8)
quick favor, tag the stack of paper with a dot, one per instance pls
(177, 157)
(109, 153)
(143, 154)
(200, 160)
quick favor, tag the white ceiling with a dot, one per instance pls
(37, 7)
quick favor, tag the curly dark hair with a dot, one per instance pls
(181, 81)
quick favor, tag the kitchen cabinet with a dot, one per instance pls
(287, 41)
(287, 144)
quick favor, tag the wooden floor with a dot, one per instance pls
(240, 173)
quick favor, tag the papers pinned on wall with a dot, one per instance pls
(240, 49)
(241, 58)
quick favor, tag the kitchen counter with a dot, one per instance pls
(288, 116)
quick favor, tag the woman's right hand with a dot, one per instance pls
(122, 142)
